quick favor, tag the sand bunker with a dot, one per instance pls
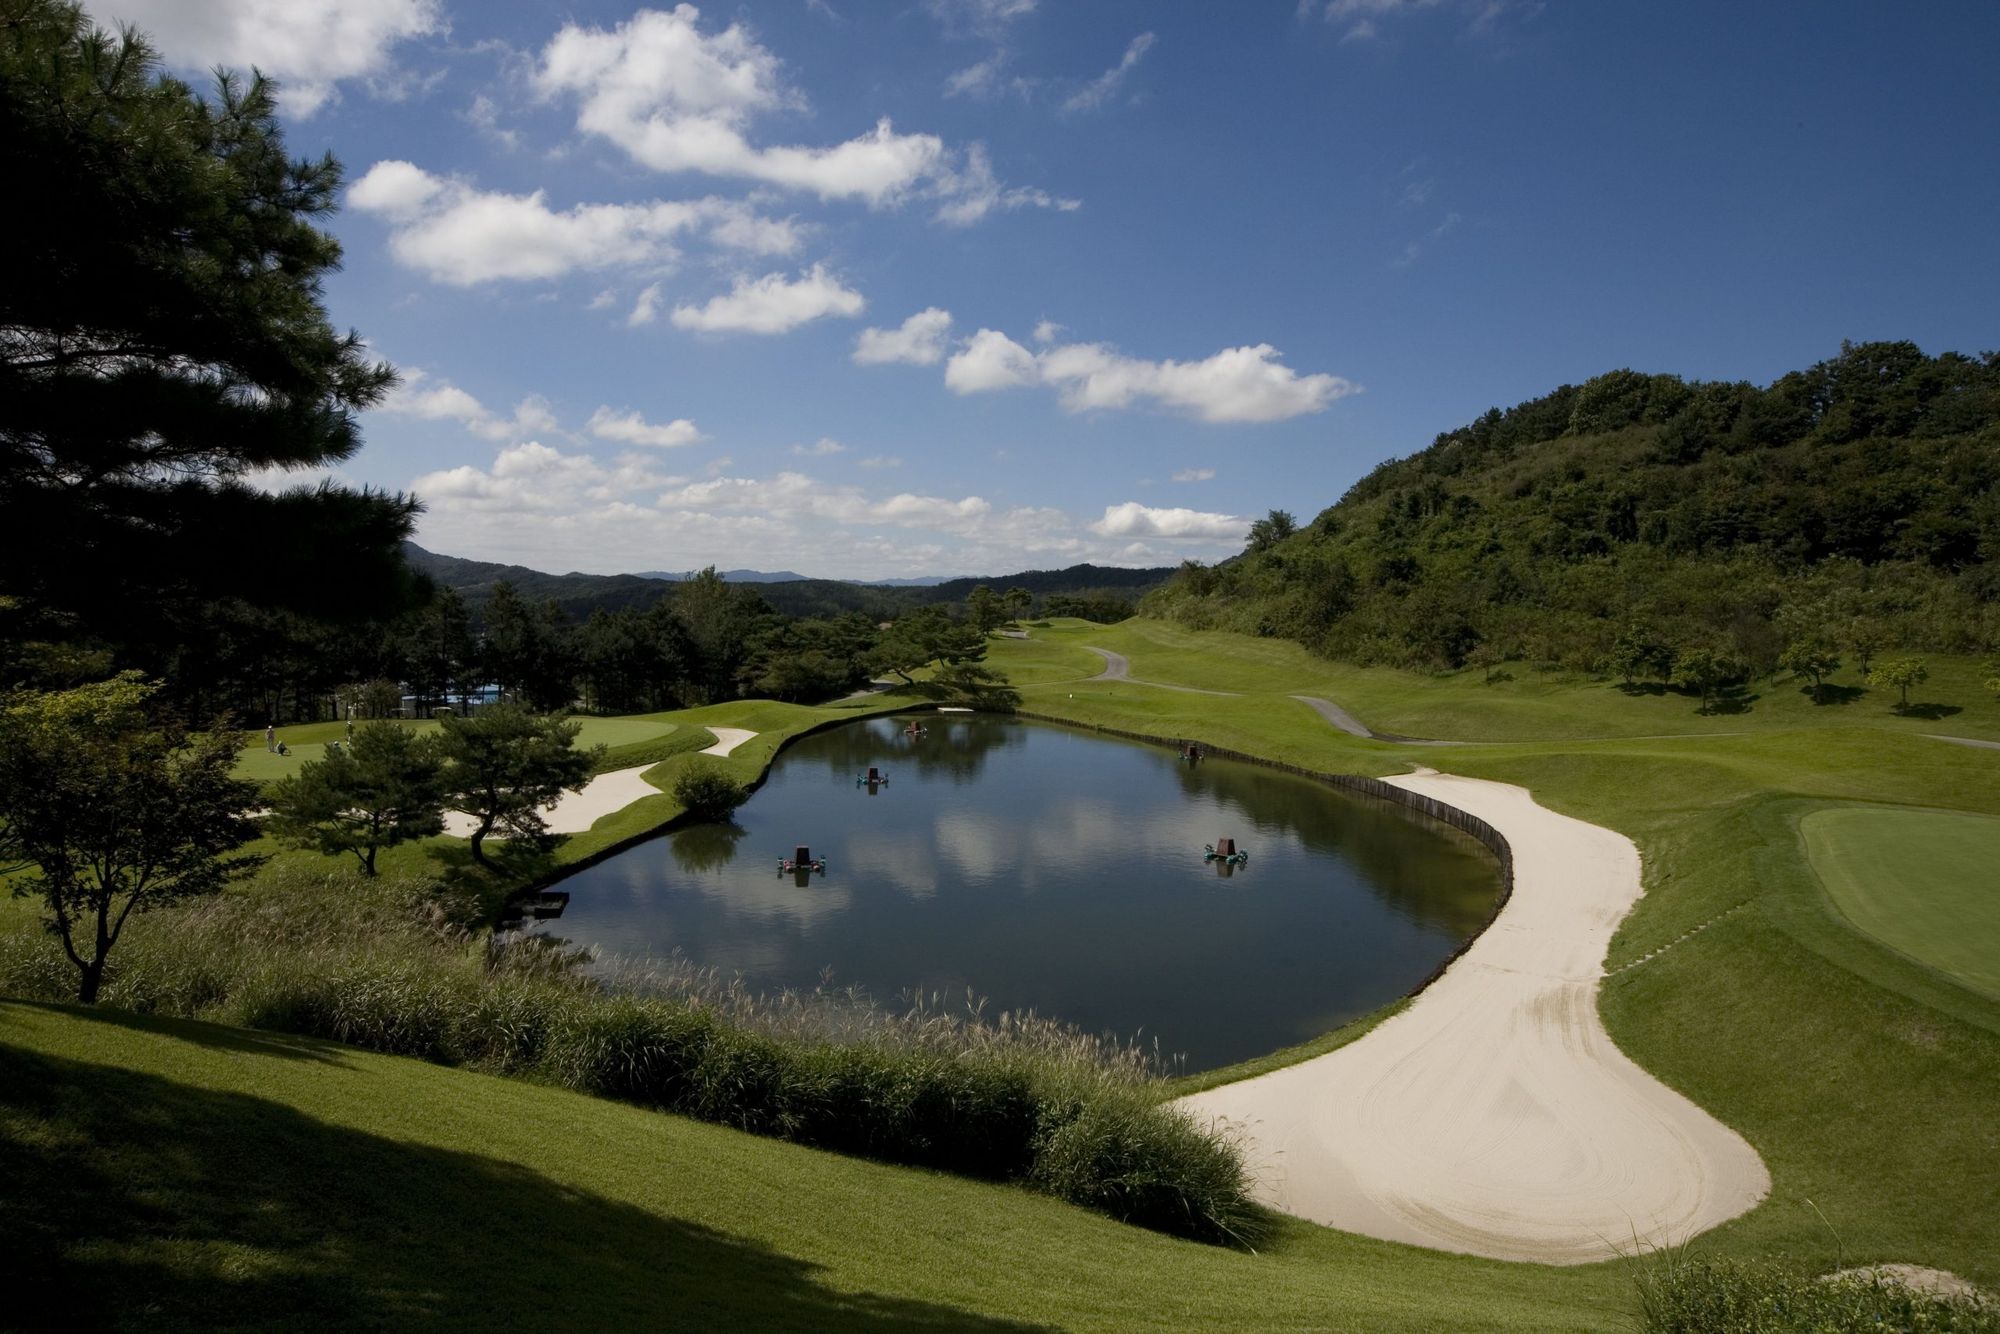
(1495, 1117)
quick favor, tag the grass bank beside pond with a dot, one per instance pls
(1866, 1077)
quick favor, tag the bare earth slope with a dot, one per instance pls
(1495, 1116)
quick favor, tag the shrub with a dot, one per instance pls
(707, 792)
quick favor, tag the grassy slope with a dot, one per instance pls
(1866, 1079)
(307, 1184)
(1922, 882)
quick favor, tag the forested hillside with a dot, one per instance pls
(1853, 507)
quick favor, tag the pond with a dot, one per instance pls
(1057, 870)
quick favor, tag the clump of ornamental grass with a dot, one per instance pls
(1682, 1293)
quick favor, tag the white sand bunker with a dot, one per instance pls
(576, 812)
(1495, 1117)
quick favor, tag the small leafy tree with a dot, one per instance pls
(708, 792)
(1705, 669)
(1637, 651)
(504, 763)
(118, 809)
(1272, 529)
(985, 608)
(922, 637)
(386, 788)
(1902, 673)
(1813, 659)
(1019, 602)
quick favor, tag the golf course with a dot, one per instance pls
(1804, 966)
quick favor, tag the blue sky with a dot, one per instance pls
(969, 286)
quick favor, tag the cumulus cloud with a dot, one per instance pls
(820, 448)
(989, 360)
(1106, 85)
(1195, 475)
(1238, 384)
(534, 478)
(427, 400)
(309, 46)
(1048, 331)
(919, 340)
(629, 428)
(772, 304)
(456, 233)
(676, 98)
(1132, 519)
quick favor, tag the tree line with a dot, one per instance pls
(1851, 507)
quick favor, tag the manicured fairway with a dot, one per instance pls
(1926, 883)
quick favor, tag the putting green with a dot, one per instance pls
(1921, 882)
(307, 741)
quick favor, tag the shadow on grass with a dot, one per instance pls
(510, 864)
(1931, 712)
(220, 1037)
(132, 1201)
(1730, 699)
(1830, 694)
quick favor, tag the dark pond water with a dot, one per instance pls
(1059, 871)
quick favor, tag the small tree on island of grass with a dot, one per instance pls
(1813, 659)
(504, 763)
(387, 787)
(1019, 602)
(707, 792)
(1902, 673)
(118, 808)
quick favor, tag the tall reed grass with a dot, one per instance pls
(1681, 1293)
(398, 966)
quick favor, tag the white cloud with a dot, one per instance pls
(989, 360)
(1048, 331)
(632, 429)
(986, 16)
(772, 304)
(972, 193)
(533, 478)
(445, 401)
(820, 448)
(604, 300)
(678, 99)
(1238, 384)
(918, 341)
(309, 46)
(646, 309)
(458, 234)
(1195, 475)
(484, 115)
(879, 461)
(1132, 519)
(1102, 88)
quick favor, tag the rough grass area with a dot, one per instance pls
(1926, 883)
(169, 1175)
(307, 741)
(390, 966)
(1681, 1294)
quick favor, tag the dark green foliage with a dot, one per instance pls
(1698, 1295)
(1612, 525)
(707, 791)
(384, 787)
(162, 333)
(503, 763)
(117, 810)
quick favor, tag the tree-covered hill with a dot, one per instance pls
(1619, 523)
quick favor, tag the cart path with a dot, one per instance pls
(576, 812)
(1495, 1116)
(1118, 668)
(727, 739)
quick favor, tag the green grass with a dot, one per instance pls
(307, 741)
(191, 1175)
(1926, 883)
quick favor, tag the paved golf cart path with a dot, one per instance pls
(1118, 668)
(576, 812)
(1495, 1116)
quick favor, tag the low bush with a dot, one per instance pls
(1679, 1294)
(392, 966)
(707, 792)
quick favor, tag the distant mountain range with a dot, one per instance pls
(795, 594)
(791, 577)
